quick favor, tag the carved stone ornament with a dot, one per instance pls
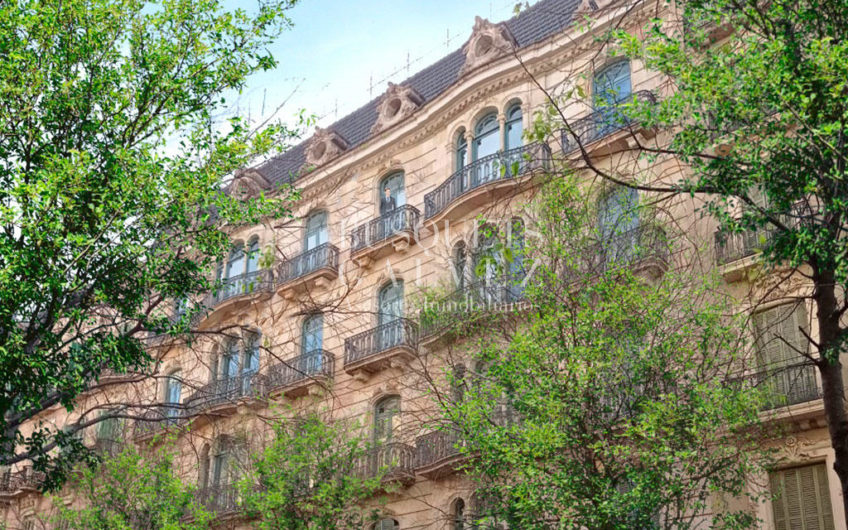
(397, 104)
(487, 42)
(590, 6)
(797, 448)
(248, 183)
(324, 146)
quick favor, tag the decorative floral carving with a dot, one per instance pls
(797, 448)
(487, 42)
(397, 104)
(324, 146)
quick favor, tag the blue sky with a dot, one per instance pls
(341, 53)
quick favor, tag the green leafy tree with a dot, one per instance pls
(315, 474)
(610, 400)
(758, 114)
(132, 491)
(113, 189)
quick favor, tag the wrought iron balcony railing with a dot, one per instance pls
(498, 166)
(221, 499)
(318, 363)
(23, 480)
(227, 391)
(325, 256)
(153, 422)
(108, 447)
(785, 385)
(437, 447)
(396, 333)
(401, 220)
(601, 123)
(645, 245)
(391, 460)
(731, 247)
(243, 284)
(470, 301)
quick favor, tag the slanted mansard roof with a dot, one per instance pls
(533, 25)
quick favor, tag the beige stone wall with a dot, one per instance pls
(422, 146)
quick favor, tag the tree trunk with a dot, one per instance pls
(833, 385)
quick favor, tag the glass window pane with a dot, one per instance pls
(396, 196)
(253, 255)
(316, 231)
(235, 265)
(513, 128)
(390, 302)
(486, 137)
(312, 334)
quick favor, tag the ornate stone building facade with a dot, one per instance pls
(317, 309)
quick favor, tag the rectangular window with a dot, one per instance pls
(803, 498)
(779, 336)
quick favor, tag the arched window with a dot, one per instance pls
(486, 137)
(386, 524)
(251, 354)
(173, 389)
(460, 256)
(392, 192)
(235, 262)
(513, 127)
(386, 418)
(486, 258)
(316, 231)
(220, 465)
(312, 337)
(390, 302)
(461, 151)
(458, 513)
(618, 213)
(612, 84)
(253, 254)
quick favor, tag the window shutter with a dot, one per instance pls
(779, 336)
(803, 501)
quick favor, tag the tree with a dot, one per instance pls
(755, 109)
(114, 186)
(132, 491)
(314, 474)
(610, 400)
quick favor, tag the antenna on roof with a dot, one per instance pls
(370, 85)
(407, 62)
(264, 93)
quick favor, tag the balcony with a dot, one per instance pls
(155, 422)
(241, 287)
(224, 395)
(313, 266)
(642, 250)
(296, 377)
(786, 385)
(484, 180)
(456, 313)
(386, 345)
(393, 461)
(600, 124)
(396, 230)
(223, 499)
(19, 482)
(437, 454)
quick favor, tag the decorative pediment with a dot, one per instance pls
(248, 183)
(397, 104)
(324, 146)
(488, 42)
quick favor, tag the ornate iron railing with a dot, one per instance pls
(437, 446)
(730, 247)
(251, 282)
(306, 366)
(403, 219)
(389, 459)
(399, 332)
(221, 499)
(785, 385)
(245, 385)
(498, 166)
(153, 421)
(108, 446)
(325, 256)
(470, 301)
(624, 249)
(25, 479)
(601, 123)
